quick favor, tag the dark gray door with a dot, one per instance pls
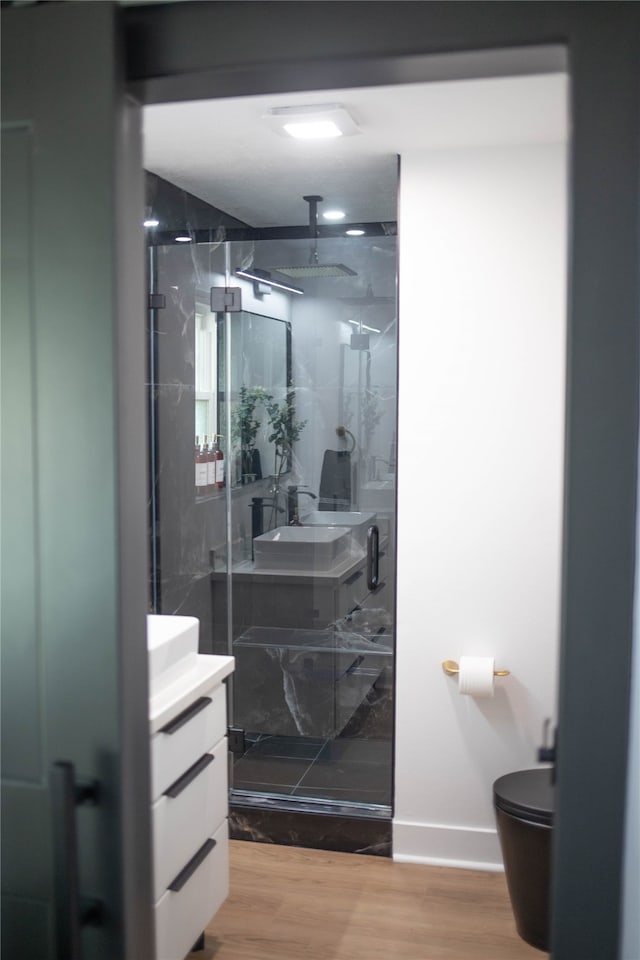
(74, 687)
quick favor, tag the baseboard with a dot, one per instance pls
(439, 845)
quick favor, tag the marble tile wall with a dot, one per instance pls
(339, 830)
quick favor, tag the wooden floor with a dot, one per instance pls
(292, 904)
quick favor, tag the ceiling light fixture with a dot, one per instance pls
(355, 232)
(263, 276)
(318, 121)
(356, 323)
(151, 223)
(334, 215)
(312, 129)
(182, 239)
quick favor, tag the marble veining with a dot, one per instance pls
(349, 834)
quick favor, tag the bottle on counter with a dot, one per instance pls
(201, 470)
(219, 462)
(209, 458)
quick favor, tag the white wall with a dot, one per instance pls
(482, 353)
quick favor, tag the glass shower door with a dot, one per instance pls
(288, 557)
(307, 399)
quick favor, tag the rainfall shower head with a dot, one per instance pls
(314, 268)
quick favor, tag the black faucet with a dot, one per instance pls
(293, 492)
(257, 515)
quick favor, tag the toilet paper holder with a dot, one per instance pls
(452, 669)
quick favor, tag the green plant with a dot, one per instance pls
(245, 424)
(285, 430)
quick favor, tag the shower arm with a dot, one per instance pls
(313, 202)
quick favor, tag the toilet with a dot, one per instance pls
(524, 803)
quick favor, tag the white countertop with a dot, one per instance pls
(208, 671)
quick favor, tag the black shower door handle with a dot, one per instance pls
(72, 911)
(373, 557)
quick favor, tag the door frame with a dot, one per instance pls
(204, 50)
(74, 653)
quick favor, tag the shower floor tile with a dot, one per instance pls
(344, 776)
(356, 751)
(350, 770)
(275, 771)
(302, 748)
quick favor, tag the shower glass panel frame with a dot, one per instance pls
(311, 632)
(304, 602)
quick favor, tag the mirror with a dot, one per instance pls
(260, 381)
(206, 367)
(367, 397)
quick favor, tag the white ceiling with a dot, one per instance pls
(225, 153)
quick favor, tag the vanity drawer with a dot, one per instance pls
(186, 737)
(352, 592)
(189, 811)
(183, 913)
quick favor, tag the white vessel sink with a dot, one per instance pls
(357, 521)
(172, 645)
(301, 548)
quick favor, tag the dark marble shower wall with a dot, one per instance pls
(189, 534)
(184, 530)
(180, 211)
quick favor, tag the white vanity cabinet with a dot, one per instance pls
(188, 724)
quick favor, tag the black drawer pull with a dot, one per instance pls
(183, 782)
(354, 666)
(187, 872)
(186, 715)
(373, 557)
(352, 579)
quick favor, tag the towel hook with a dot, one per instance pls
(342, 432)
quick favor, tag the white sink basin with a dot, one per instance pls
(172, 645)
(357, 521)
(301, 548)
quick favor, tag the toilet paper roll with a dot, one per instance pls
(476, 678)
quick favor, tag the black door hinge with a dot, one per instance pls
(235, 736)
(226, 299)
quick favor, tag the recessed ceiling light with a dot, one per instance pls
(334, 215)
(312, 130)
(183, 239)
(355, 232)
(151, 223)
(317, 121)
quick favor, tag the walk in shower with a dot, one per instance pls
(273, 462)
